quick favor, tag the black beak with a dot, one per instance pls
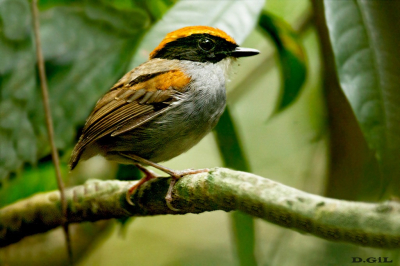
(242, 52)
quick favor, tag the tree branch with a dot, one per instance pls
(366, 224)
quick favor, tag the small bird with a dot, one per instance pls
(164, 106)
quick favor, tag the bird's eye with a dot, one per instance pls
(206, 44)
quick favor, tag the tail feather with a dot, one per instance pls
(75, 156)
(83, 152)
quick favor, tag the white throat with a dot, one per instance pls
(226, 66)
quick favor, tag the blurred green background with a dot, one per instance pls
(292, 121)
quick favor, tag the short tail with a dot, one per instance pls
(75, 156)
(82, 152)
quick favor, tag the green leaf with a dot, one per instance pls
(46, 4)
(365, 37)
(233, 156)
(156, 9)
(229, 143)
(15, 17)
(291, 57)
(36, 179)
(87, 47)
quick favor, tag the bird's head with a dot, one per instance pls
(200, 44)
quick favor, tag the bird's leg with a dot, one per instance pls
(173, 173)
(148, 176)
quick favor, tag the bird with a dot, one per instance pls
(163, 107)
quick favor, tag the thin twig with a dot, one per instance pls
(49, 123)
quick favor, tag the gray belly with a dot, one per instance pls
(173, 132)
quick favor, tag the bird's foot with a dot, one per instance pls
(150, 175)
(175, 176)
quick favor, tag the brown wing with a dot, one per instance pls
(130, 103)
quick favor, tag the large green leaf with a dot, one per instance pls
(366, 38)
(87, 47)
(291, 57)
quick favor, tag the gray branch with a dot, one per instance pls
(366, 224)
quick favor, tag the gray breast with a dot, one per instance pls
(186, 123)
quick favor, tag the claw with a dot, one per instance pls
(170, 205)
(129, 193)
(128, 198)
(168, 198)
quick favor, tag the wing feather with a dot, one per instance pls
(133, 101)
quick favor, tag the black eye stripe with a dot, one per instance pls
(189, 48)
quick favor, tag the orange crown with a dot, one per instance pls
(187, 31)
